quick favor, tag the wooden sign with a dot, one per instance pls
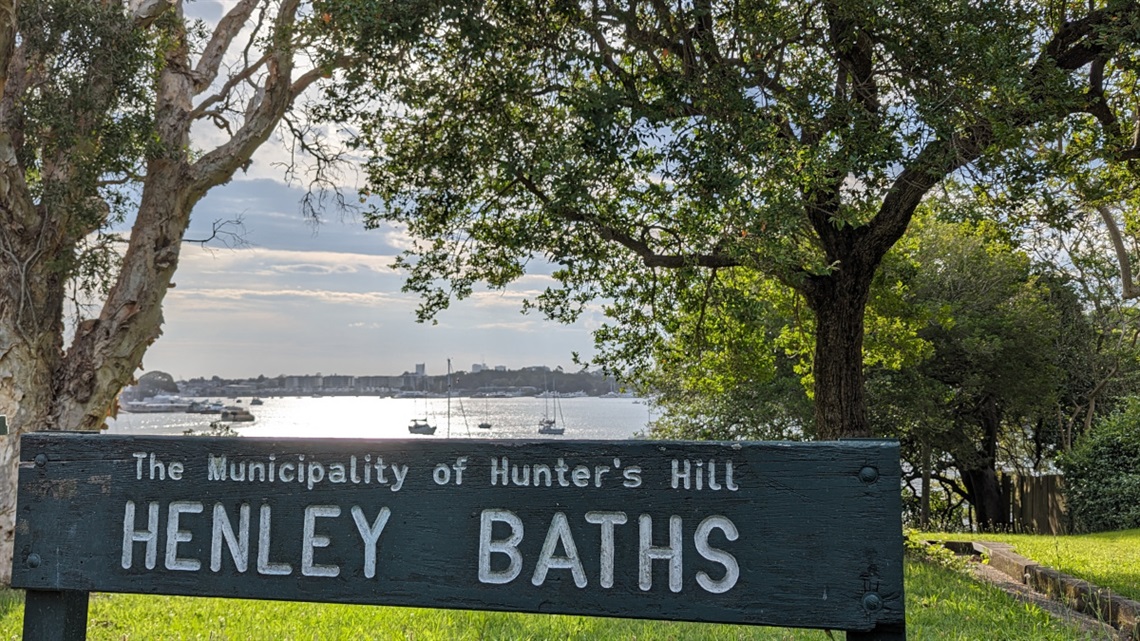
(785, 534)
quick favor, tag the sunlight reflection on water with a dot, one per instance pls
(372, 417)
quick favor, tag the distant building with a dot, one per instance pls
(421, 370)
(477, 367)
(500, 368)
(337, 382)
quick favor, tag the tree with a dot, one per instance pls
(994, 375)
(153, 383)
(621, 141)
(97, 104)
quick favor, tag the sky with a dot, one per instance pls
(303, 299)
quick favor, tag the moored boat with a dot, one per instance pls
(421, 426)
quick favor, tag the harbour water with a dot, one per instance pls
(374, 417)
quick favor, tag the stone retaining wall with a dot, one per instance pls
(1100, 603)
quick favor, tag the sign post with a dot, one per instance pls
(783, 534)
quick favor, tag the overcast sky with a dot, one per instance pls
(303, 299)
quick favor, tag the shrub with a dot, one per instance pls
(1102, 473)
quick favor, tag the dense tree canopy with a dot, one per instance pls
(646, 149)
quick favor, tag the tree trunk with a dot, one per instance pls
(839, 301)
(985, 495)
(31, 336)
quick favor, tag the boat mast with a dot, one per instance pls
(449, 398)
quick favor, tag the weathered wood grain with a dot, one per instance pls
(800, 535)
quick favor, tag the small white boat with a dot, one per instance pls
(421, 426)
(547, 426)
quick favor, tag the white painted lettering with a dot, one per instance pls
(581, 476)
(562, 468)
(559, 532)
(157, 466)
(174, 536)
(310, 540)
(508, 546)
(139, 458)
(647, 552)
(400, 472)
(460, 465)
(316, 473)
(599, 472)
(370, 534)
(238, 543)
(713, 485)
(521, 480)
(678, 476)
(542, 472)
(499, 471)
(132, 536)
(264, 565)
(731, 568)
(632, 476)
(441, 474)
(216, 468)
(607, 520)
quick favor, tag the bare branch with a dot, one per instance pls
(229, 85)
(1129, 290)
(228, 28)
(231, 233)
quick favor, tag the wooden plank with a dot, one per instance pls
(55, 615)
(787, 534)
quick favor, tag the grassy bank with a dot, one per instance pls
(941, 604)
(1108, 559)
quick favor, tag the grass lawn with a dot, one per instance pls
(1108, 559)
(941, 604)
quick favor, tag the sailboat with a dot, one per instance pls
(421, 425)
(485, 424)
(548, 424)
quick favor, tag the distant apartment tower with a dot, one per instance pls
(421, 370)
(477, 367)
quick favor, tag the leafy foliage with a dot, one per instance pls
(1102, 473)
(646, 150)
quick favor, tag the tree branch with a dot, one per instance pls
(228, 27)
(649, 257)
(1129, 291)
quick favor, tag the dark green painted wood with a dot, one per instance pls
(819, 538)
(881, 632)
(55, 616)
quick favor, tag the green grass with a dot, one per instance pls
(941, 604)
(1108, 559)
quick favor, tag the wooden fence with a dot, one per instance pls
(1035, 504)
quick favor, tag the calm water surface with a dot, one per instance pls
(372, 417)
